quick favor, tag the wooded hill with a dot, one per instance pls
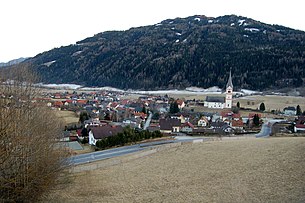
(182, 52)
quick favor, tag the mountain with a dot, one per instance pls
(13, 62)
(182, 52)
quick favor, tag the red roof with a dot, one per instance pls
(179, 102)
(58, 103)
(238, 123)
(251, 115)
(124, 101)
(82, 101)
(300, 125)
(226, 113)
(141, 114)
(236, 115)
(188, 124)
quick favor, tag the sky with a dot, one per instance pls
(29, 27)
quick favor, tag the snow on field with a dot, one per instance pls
(179, 34)
(187, 91)
(245, 92)
(101, 89)
(60, 86)
(198, 19)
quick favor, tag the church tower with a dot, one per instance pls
(229, 93)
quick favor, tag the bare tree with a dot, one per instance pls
(31, 160)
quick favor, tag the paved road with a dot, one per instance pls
(267, 127)
(110, 153)
(148, 121)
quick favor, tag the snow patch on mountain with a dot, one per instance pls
(49, 63)
(252, 29)
(240, 22)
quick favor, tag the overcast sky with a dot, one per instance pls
(29, 27)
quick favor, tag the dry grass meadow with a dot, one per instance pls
(67, 116)
(245, 170)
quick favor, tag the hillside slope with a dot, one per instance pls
(245, 170)
(182, 52)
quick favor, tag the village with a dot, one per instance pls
(103, 114)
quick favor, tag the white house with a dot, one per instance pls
(101, 132)
(187, 127)
(290, 111)
(203, 122)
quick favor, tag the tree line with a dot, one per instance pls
(129, 135)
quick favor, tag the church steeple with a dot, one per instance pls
(230, 84)
(229, 92)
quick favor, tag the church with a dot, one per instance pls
(221, 102)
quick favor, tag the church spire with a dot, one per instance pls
(230, 84)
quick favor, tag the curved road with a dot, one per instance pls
(110, 153)
(267, 127)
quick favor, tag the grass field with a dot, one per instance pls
(247, 170)
(67, 116)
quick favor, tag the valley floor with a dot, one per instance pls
(245, 170)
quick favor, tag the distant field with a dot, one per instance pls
(247, 170)
(67, 116)
(272, 102)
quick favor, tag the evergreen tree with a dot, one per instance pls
(262, 107)
(299, 111)
(238, 105)
(144, 110)
(256, 120)
(174, 107)
(83, 116)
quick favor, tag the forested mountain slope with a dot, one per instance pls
(182, 52)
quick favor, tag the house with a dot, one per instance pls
(300, 124)
(132, 122)
(238, 124)
(290, 111)
(203, 122)
(169, 125)
(181, 117)
(221, 127)
(187, 127)
(180, 103)
(251, 115)
(214, 102)
(58, 104)
(101, 132)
